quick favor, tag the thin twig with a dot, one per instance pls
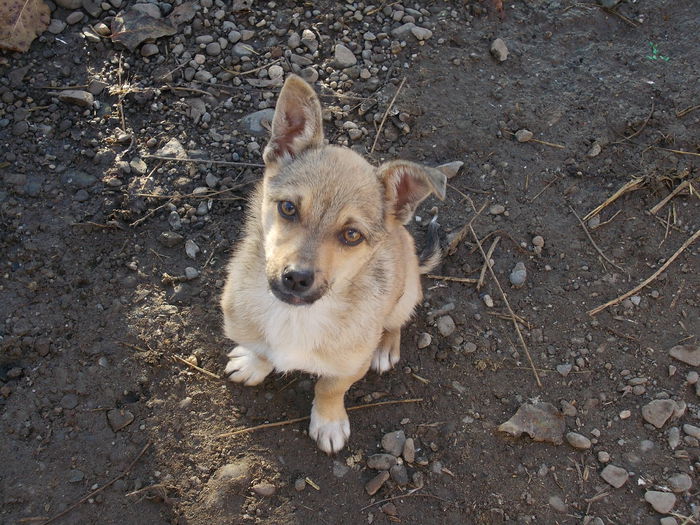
(644, 125)
(462, 233)
(487, 263)
(552, 144)
(98, 490)
(410, 493)
(555, 179)
(250, 71)
(192, 365)
(386, 113)
(592, 241)
(619, 15)
(465, 280)
(510, 310)
(149, 214)
(653, 276)
(306, 418)
(205, 161)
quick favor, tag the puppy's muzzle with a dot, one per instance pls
(296, 286)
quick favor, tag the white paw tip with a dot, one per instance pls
(330, 436)
(246, 367)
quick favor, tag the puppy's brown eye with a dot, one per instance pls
(287, 209)
(351, 237)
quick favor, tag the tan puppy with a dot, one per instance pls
(326, 273)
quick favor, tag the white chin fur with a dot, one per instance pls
(330, 436)
(382, 360)
(244, 366)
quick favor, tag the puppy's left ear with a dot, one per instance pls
(297, 124)
(406, 184)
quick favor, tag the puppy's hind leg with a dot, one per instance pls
(388, 352)
(247, 366)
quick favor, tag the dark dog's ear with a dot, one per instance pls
(297, 123)
(406, 184)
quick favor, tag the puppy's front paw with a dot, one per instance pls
(388, 352)
(245, 366)
(330, 436)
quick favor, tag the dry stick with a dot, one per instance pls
(149, 214)
(241, 73)
(555, 179)
(462, 233)
(679, 151)
(206, 372)
(465, 280)
(644, 125)
(658, 272)
(98, 490)
(592, 241)
(487, 263)
(684, 112)
(386, 113)
(552, 144)
(619, 15)
(510, 310)
(305, 418)
(206, 161)
(628, 186)
(668, 197)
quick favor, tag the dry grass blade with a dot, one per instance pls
(678, 151)
(631, 185)
(462, 233)
(684, 112)
(206, 161)
(592, 241)
(675, 192)
(22, 22)
(306, 418)
(192, 365)
(651, 278)
(510, 310)
(386, 114)
(644, 125)
(465, 280)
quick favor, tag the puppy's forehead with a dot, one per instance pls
(332, 180)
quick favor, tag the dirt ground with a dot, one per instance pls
(97, 304)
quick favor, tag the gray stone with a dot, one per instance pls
(421, 33)
(403, 31)
(172, 148)
(668, 520)
(523, 135)
(259, 122)
(692, 430)
(659, 411)
(148, 50)
(661, 502)
(191, 273)
(446, 325)
(75, 476)
(393, 442)
(399, 474)
(56, 26)
(499, 50)
(615, 476)
(344, 57)
(558, 504)
(340, 469)
(578, 441)
(497, 209)
(680, 482)
(299, 484)
(518, 275)
(69, 4)
(77, 178)
(74, 18)
(69, 401)
(309, 74)
(381, 461)
(674, 437)
(213, 49)
(242, 50)
(191, 249)
(138, 166)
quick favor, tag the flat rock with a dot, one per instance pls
(659, 411)
(692, 430)
(173, 148)
(119, 419)
(662, 502)
(615, 476)
(170, 239)
(393, 442)
(77, 97)
(263, 489)
(399, 474)
(541, 421)
(523, 135)
(424, 340)
(688, 354)
(446, 325)
(680, 482)
(381, 461)
(409, 451)
(259, 122)
(558, 504)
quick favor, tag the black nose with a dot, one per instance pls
(298, 280)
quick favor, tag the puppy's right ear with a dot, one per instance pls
(297, 124)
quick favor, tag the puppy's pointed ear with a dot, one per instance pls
(297, 123)
(406, 184)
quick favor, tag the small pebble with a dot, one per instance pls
(264, 489)
(518, 275)
(381, 461)
(374, 484)
(578, 441)
(409, 450)
(393, 442)
(487, 300)
(523, 135)
(446, 325)
(424, 340)
(662, 502)
(299, 484)
(680, 482)
(497, 209)
(615, 476)
(499, 50)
